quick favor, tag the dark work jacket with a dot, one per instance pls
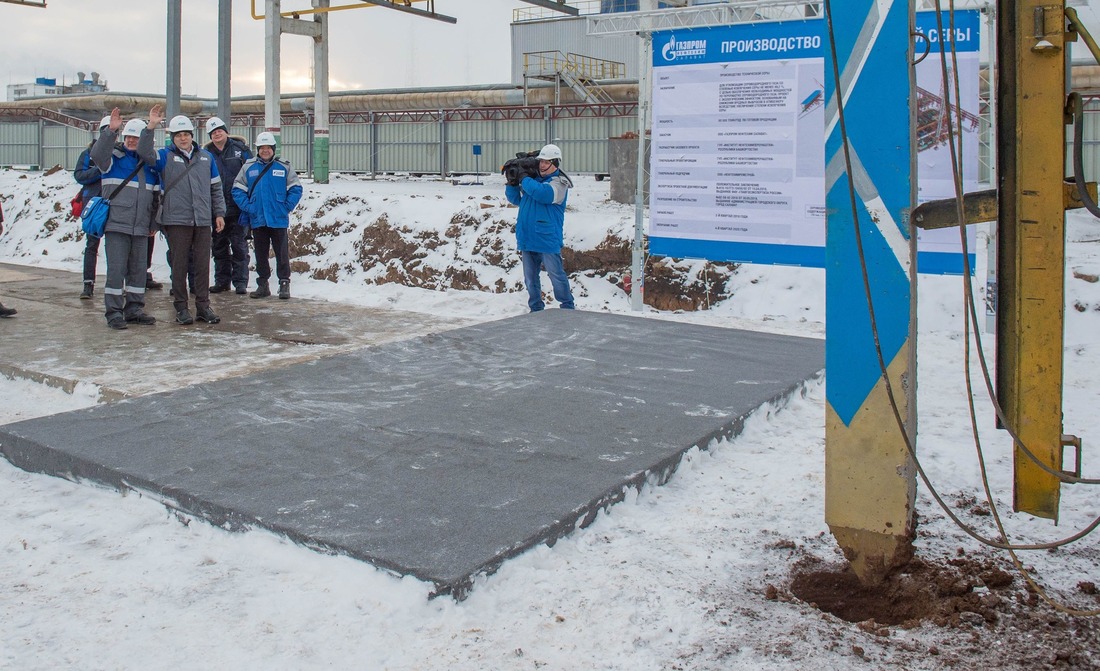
(230, 159)
(87, 175)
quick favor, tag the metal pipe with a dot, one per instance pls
(366, 4)
(225, 50)
(172, 77)
(272, 65)
(380, 101)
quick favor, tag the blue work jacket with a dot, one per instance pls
(541, 221)
(274, 193)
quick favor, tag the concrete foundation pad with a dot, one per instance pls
(439, 456)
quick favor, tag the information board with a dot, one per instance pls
(737, 149)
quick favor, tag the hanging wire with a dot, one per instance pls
(969, 300)
(972, 319)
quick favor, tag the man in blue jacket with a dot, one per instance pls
(267, 189)
(87, 176)
(539, 227)
(131, 184)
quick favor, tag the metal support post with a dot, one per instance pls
(870, 285)
(637, 257)
(442, 144)
(321, 97)
(1031, 241)
(272, 64)
(225, 60)
(172, 76)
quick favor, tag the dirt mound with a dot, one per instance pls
(941, 593)
(477, 250)
(981, 605)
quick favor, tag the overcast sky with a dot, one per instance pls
(371, 48)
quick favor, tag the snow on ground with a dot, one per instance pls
(674, 577)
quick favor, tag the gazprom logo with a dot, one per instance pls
(684, 49)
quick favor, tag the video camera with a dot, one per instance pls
(525, 164)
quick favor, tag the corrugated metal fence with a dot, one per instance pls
(436, 142)
(424, 142)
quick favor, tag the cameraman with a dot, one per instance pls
(541, 200)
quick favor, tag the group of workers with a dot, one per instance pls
(208, 200)
(205, 200)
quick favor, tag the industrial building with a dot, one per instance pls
(567, 86)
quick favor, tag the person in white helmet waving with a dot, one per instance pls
(540, 228)
(267, 189)
(192, 197)
(129, 182)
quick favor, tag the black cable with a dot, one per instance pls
(874, 330)
(1078, 108)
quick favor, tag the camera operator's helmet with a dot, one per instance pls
(550, 152)
(105, 122)
(133, 128)
(214, 123)
(180, 124)
(265, 139)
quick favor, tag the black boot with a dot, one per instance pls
(284, 289)
(7, 312)
(261, 291)
(207, 315)
(86, 293)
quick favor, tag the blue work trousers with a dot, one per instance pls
(533, 262)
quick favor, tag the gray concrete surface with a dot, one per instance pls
(439, 455)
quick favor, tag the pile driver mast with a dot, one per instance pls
(871, 410)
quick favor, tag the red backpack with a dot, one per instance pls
(77, 203)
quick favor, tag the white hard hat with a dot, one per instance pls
(550, 152)
(265, 139)
(134, 127)
(214, 123)
(180, 123)
(105, 122)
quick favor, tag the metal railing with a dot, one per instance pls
(533, 13)
(358, 145)
(585, 68)
(419, 142)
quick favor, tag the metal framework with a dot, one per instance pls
(429, 13)
(556, 5)
(52, 115)
(398, 5)
(720, 14)
(532, 113)
(701, 16)
(404, 6)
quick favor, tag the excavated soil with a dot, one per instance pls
(985, 614)
(474, 241)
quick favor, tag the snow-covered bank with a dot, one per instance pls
(675, 577)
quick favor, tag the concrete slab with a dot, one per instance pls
(59, 339)
(439, 456)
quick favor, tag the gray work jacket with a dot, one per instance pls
(194, 199)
